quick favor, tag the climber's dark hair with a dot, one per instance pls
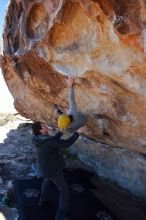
(36, 127)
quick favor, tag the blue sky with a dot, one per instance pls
(3, 4)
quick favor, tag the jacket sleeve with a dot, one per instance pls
(72, 102)
(58, 135)
(69, 141)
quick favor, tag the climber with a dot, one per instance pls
(73, 119)
(50, 162)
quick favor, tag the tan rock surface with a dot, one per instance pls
(101, 43)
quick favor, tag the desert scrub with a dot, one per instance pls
(5, 118)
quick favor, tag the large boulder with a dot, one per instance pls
(102, 43)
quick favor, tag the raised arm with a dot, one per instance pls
(67, 143)
(58, 135)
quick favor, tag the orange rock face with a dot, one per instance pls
(101, 43)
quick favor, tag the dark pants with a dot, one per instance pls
(62, 186)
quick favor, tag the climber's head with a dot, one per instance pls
(39, 128)
(64, 121)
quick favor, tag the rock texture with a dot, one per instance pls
(102, 43)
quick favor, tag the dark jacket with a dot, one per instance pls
(48, 151)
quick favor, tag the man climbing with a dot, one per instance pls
(73, 119)
(50, 163)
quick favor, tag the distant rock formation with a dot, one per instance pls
(101, 43)
(1, 46)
